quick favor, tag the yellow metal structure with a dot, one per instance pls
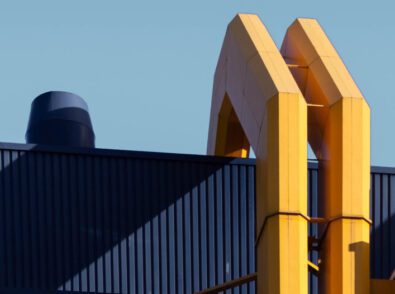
(339, 134)
(257, 102)
(260, 99)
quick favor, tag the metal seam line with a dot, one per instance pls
(350, 217)
(310, 220)
(307, 218)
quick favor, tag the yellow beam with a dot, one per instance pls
(339, 134)
(313, 266)
(253, 81)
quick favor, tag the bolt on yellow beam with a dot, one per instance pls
(339, 134)
(257, 102)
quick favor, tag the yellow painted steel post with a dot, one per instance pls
(339, 134)
(253, 82)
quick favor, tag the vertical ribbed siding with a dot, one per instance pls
(382, 254)
(313, 228)
(124, 224)
(111, 223)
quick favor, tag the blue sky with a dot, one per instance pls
(146, 67)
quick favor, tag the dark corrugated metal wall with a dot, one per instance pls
(132, 222)
(125, 224)
(382, 253)
(313, 228)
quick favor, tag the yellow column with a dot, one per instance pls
(339, 133)
(252, 82)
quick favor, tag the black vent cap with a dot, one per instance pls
(60, 118)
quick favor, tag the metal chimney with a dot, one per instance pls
(60, 118)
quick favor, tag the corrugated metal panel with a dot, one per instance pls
(136, 222)
(124, 222)
(382, 253)
(313, 228)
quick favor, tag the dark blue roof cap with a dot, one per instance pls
(60, 118)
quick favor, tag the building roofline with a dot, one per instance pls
(155, 155)
(126, 153)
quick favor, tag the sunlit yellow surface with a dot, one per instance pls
(257, 102)
(339, 134)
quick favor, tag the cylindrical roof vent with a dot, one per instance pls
(60, 118)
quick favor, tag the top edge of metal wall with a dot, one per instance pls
(312, 164)
(126, 153)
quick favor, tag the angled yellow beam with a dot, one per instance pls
(339, 133)
(253, 82)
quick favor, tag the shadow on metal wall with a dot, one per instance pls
(135, 222)
(382, 247)
(89, 222)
